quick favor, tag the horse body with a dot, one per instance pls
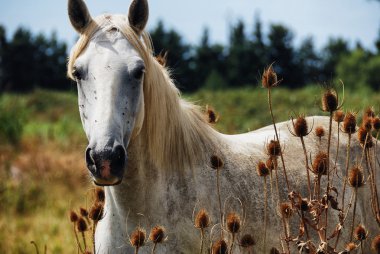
(152, 149)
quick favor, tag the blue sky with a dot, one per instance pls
(355, 20)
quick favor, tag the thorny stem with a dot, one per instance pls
(202, 239)
(374, 195)
(328, 172)
(84, 241)
(232, 243)
(337, 150)
(265, 212)
(35, 246)
(307, 166)
(275, 130)
(136, 250)
(353, 215)
(93, 236)
(344, 219)
(155, 245)
(220, 200)
(286, 234)
(77, 239)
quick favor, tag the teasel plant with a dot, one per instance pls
(137, 239)
(219, 245)
(330, 104)
(360, 234)
(201, 221)
(301, 130)
(37, 249)
(269, 81)
(157, 236)
(247, 242)
(263, 171)
(234, 220)
(338, 118)
(217, 164)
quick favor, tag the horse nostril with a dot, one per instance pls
(89, 158)
(119, 155)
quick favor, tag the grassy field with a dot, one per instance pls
(43, 174)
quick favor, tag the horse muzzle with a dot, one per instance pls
(106, 165)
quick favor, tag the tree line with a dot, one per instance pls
(30, 61)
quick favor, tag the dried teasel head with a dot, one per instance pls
(271, 163)
(96, 212)
(202, 220)
(339, 116)
(216, 162)
(285, 210)
(262, 169)
(319, 166)
(369, 113)
(233, 223)
(83, 212)
(356, 177)
(269, 78)
(376, 123)
(81, 225)
(157, 234)
(367, 124)
(219, 247)
(274, 148)
(319, 131)
(360, 233)
(137, 238)
(247, 241)
(376, 244)
(303, 204)
(329, 101)
(365, 138)
(73, 216)
(162, 58)
(212, 116)
(350, 246)
(100, 196)
(274, 251)
(349, 123)
(300, 127)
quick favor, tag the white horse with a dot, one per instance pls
(152, 149)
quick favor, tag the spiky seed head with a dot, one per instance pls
(339, 116)
(365, 138)
(360, 233)
(202, 220)
(376, 123)
(73, 216)
(274, 148)
(300, 127)
(319, 131)
(100, 196)
(233, 223)
(247, 241)
(369, 113)
(367, 124)
(137, 238)
(96, 211)
(212, 116)
(271, 163)
(376, 244)
(329, 101)
(269, 78)
(319, 166)
(83, 212)
(356, 177)
(262, 169)
(220, 247)
(157, 234)
(303, 205)
(274, 251)
(216, 162)
(162, 58)
(349, 123)
(285, 210)
(351, 246)
(81, 225)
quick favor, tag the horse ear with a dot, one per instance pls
(138, 15)
(79, 15)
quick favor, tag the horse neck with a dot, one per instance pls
(175, 134)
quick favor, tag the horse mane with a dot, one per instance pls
(175, 132)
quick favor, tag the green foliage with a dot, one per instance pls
(12, 121)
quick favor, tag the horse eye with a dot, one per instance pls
(138, 73)
(76, 74)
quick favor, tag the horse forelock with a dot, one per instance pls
(175, 132)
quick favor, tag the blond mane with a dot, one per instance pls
(175, 132)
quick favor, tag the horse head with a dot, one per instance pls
(109, 73)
